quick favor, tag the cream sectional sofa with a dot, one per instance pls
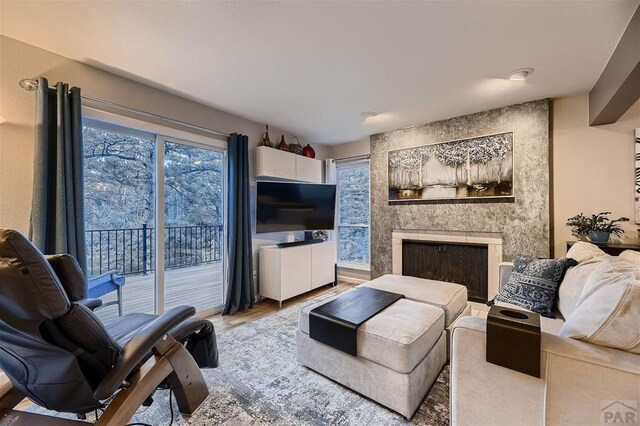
(581, 382)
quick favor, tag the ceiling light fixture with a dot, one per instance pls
(521, 74)
(367, 115)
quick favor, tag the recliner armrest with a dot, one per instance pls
(91, 303)
(138, 349)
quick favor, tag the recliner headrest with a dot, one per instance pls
(29, 288)
(70, 275)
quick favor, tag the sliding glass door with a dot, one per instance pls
(154, 219)
(120, 213)
(193, 226)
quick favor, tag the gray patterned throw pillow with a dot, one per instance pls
(534, 283)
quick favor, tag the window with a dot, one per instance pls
(353, 214)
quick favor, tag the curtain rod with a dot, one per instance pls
(354, 158)
(31, 85)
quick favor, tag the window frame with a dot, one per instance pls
(347, 164)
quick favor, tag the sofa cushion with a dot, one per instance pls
(451, 298)
(398, 337)
(533, 283)
(583, 252)
(631, 256)
(609, 271)
(609, 316)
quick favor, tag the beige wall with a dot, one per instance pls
(349, 149)
(593, 167)
(19, 60)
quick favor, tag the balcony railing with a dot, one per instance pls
(132, 250)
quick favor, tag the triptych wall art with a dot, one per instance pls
(478, 169)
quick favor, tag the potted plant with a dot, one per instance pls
(597, 226)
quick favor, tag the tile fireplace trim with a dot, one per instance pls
(493, 241)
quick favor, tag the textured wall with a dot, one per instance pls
(524, 224)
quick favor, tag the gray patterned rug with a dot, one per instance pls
(259, 382)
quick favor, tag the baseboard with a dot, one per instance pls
(351, 280)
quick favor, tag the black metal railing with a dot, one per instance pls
(132, 250)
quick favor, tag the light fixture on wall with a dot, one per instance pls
(520, 75)
(367, 115)
(28, 84)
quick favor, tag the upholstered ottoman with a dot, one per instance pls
(450, 297)
(401, 352)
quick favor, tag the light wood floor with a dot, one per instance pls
(268, 306)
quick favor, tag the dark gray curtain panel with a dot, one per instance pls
(57, 210)
(240, 292)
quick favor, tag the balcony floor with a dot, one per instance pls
(199, 286)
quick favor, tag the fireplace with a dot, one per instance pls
(459, 263)
(467, 258)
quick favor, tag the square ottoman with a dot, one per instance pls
(401, 352)
(450, 297)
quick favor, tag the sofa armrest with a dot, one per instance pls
(504, 272)
(576, 377)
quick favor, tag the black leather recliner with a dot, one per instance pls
(58, 354)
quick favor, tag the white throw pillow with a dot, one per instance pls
(588, 257)
(583, 251)
(609, 316)
(609, 271)
(572, 284)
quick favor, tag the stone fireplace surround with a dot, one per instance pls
(493, 241)
(524, 224)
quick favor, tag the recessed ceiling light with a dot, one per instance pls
(521, 74)
(367, 115)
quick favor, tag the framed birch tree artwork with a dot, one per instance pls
(478, 169)
(638, 176)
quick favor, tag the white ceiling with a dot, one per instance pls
(313, 67)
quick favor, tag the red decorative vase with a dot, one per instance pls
(283, 145)
(309, 152)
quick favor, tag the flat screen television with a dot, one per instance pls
(288, 207)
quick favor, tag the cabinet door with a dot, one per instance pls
(272, 162)
(308, 169)
(295, 269)
(322, 264)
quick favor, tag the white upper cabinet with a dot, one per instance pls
(308, 169)
(273, 163)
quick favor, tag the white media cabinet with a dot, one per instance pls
(289, 271)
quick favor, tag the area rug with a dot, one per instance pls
(259, 382)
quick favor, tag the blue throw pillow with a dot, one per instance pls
(534, 283)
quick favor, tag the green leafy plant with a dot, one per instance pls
(581, 225)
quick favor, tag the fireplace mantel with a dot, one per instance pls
(493, 241)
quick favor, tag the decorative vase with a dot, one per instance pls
(599, 237)
(265, 138)
(283, 145)
(295, 146)
(309, 152)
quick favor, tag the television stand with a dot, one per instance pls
(285, 272)
(299, 243)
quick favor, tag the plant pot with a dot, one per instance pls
(599, 237)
